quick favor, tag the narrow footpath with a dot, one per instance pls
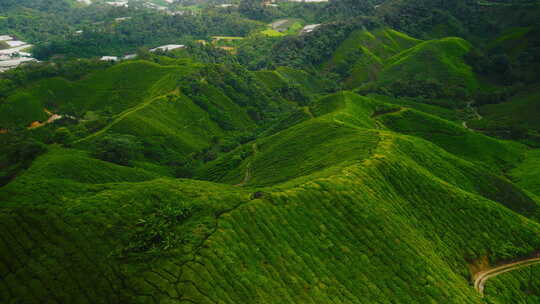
(247, 175)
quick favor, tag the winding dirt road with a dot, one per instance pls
(480, 278)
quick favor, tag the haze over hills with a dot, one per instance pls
(340, 152)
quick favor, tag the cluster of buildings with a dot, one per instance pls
(309, 28)
(272, 3)
(307, 1)
(13, 53)
(118, 3)
(146, 4)
(164, 48)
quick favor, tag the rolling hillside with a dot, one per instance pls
(378, 174)
(515, 117)
(367, 52)
(161, 239)
(518, 286)
(389, 62)
(112, 90)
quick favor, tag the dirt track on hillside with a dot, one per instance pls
(247, 175)
(480, 278)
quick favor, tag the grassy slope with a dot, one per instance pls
(353, 199)
(348, 121)
(283, 156)
(445, 57)
(62, 163)
(113, 90)
(82, 249)
(142, 99)
(283, 76)
(513, 40)
(372, 49)
(383, 42)
(183, 125)
(420, 105)
(519, 286)
(521, 110)
(333, 197)
(344, 232)
(334, 219)
(517, 42)
(62, 173)
(455, 139)
(527, 174)
(174, 120)
(385, 57)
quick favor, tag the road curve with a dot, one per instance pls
(480, 278)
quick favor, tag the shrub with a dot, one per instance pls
(118, 149)
(62, 136)
(157, 232)
(184, 169)
(17, 152)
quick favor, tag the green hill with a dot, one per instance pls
(527, 174)
(294, 84)
(388, 61)
(362, 54)
(454, 138)
(515, 118)
(173, 111)
(61, 174)
(519, 286)
(351, 122)
(390, 197)
(440, 61)
(109, 91)
(168, 180)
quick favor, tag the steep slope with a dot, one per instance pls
(519, 286)
(294, 84)
(347, 199)
(175, 114)
(454, 138)
(515, 118)
(527, 174)
(387, 61)
(361, 56)
(440, 61)
(517, 43)
(107, 92)
(476, 20)
(62, 173)
(326, 234)
(165, 240)
(301, 149)
(283, 76)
